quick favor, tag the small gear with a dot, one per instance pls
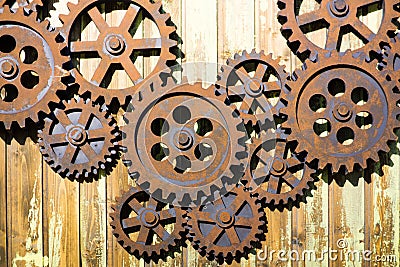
(391, 57)
(117, 46)
(227, 228)
(80, 139)
(341, 111)
(338, 17)
(252, 93)
(145, 227)
(184, 144)
(276, 175)
(31, 68)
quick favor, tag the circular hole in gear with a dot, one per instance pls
(182, 164)
(345, 136)
(159, 127)
(159, 151)
(336, 87)
(364, 120)
(203, 127)
(203, 152)
(29, 79)
(181, 114)
(359, 96)
(28, 54)
(7, 43)
(8, 92)
(322, 127)
(317, 103)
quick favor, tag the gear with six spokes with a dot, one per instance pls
(80, 139)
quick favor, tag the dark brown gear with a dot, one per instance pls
(341, 110)
(276, 175)
(146, 227)
(184, 144)
(31, 67)
(80, 139)
(227, 228)
(253, 93)
(116, 46)
(338, 17)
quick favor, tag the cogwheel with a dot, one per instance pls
(31, 68)
(391, 57)
(338, 17)
(145, 227)
(253, 93)
(184, 144)
(276, 175)
(227, 228)
(27, 5)
(341, 111)
(80, 139)
(116, 46)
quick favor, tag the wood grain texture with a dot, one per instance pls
(3, 204)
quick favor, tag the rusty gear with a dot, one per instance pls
(31, 68)
(391, 57)
(79, 140)
(228, 227)
(341, 114)
(277, 176)
(152, 221)
(184, 144)
(116, 46)
(27, 5)
(253, 93)
(338, 17)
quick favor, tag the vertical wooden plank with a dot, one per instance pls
(3, 203)
(24, 205)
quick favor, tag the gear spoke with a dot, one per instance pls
(83, 46)
(88, 151)
(273, 184)
(100, 72)
(135, 205)
(242, 74)
(130, 17)
(153, 203)
(56, 138)
(143, 235)
(161, 232)
(96, 134)
(167, 214)
(145, 44)
(215, 234)
(260, 71)
(291, 180)
(272, 86)
(309, 18)
(233, 236)
(244, 221)
(237, 90)
(63, 119)
(98, 19)
(132, 71)
(204, 216)
(362, 31)
(69, 153)
(332, 38)
(131, 222)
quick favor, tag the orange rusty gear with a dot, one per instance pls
(31, 67)
(227, 228)
(145, 227)
(27, 5)
(341, 110)
(79, 140)
(184, 144)
(338, 17)
(116, 46)
(252, 92)
(277, 176)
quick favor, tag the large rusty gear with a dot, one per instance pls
(341, 114)
(338, 17)
(145, 227)
(228, 227)
(252, 92)
(184, 144)
(276, 175)
(116, 46)
(79, 140)
(31, 67)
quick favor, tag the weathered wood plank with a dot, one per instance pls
(24, 205)
(3, 203)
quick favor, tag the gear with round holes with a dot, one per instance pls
(341, 114)
(146, 227)
(338, 17)
(275, 174)
(227, 228)
(184, 146)
(253, 92)
(80, 139)
(117, 46)
(31, 68)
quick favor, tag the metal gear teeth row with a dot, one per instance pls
(122, 96)
(67, 165)
(224, 252)
(296, 85)
(305, 49)
(149, 94)
(120, 224)
(33, 111)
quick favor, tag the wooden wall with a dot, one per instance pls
(49, 221)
